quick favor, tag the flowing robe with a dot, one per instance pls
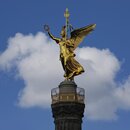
(70, 65)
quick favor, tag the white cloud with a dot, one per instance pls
(36, 60)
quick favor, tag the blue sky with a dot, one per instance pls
(26, 18)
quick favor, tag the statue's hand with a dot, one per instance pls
(46, 28)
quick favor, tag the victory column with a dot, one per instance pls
(68, 99)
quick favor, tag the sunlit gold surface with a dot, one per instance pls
(68, 45)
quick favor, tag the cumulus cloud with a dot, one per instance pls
(35, 59)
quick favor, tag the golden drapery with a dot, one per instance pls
(67, 46)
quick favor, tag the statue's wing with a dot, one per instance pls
(78, 35)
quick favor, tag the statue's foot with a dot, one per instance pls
(79, 71)
(69, 79)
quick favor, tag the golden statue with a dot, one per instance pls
(68, 45)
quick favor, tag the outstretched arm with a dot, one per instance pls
(54, 38)
(47, 29)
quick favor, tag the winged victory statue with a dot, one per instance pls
(68, 44)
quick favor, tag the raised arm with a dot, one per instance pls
(47, 29)
(54, 38)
